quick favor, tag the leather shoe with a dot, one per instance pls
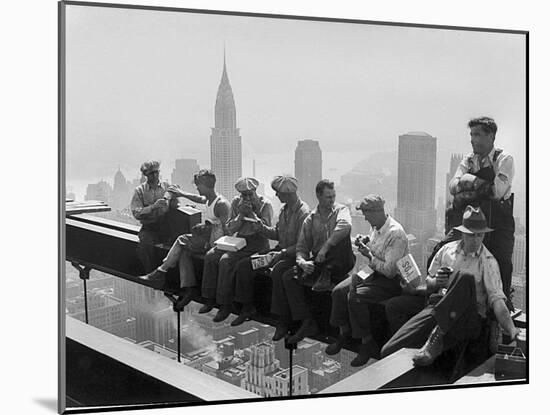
(222, 314)
(337, 345)
(280, 331)
(362, 357)
(431, 349)
(207, 307)
(156, 278)
(246, 314)
(190, 294)
(308, 328)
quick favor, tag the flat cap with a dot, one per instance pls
(284, 184)
(371, 202)
(149, 166)
(246, 183)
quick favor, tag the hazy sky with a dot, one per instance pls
(142, 84)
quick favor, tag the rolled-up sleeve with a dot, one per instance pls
(504, 175)
(394, 251)
(492, 281)
(461, 170)
(342, 228)
(305, 240)
(138, 209)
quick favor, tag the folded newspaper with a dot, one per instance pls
(230, 243)
(262, 261)
(408, 268)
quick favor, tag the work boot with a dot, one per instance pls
(364, 354)
(280, 331)
(431, 349)
(191, 293)
(337, 345)
(308, 328)
(155, 278)
(208, 306)
(246, 313)
(222, 313)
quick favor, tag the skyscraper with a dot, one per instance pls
(308, 169)
(225, 141)
(182, 174)
(416, 184)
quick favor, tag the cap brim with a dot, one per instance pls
(464, 229)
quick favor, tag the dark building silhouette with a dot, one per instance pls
(308, 169)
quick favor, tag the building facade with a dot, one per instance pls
(225, 140)
(416, 184)
(308, 169)
(183, 172)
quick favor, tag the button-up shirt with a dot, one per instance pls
(388, 245)
(143, 199)
(318, 229)
(481, 264)
(503, 167)
(289, 225)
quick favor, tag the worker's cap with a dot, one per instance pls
(284, 184)
(246, 184)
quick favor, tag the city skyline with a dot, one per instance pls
(333, 83)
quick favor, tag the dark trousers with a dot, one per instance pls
(244, 281)
(288, 296)
(456, 314)
(402, 308)
(148, 236)
(218, 279)
(350, 301)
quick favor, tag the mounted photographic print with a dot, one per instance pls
(260, 207)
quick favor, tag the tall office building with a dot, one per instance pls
(416, 184)
(261, 365)
(225, 141)
(308, 169)
(122, 192)
(182, 174)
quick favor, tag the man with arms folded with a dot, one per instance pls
(484, 178)
(465, 280)
(351, 298)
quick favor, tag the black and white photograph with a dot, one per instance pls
(263, 207)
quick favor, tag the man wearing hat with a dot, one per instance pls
(291, 218)
(351, 298)
(248, 212)
(323, 255)
(484, 178)
(199, 241)
(461, 296)
(149, 205)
